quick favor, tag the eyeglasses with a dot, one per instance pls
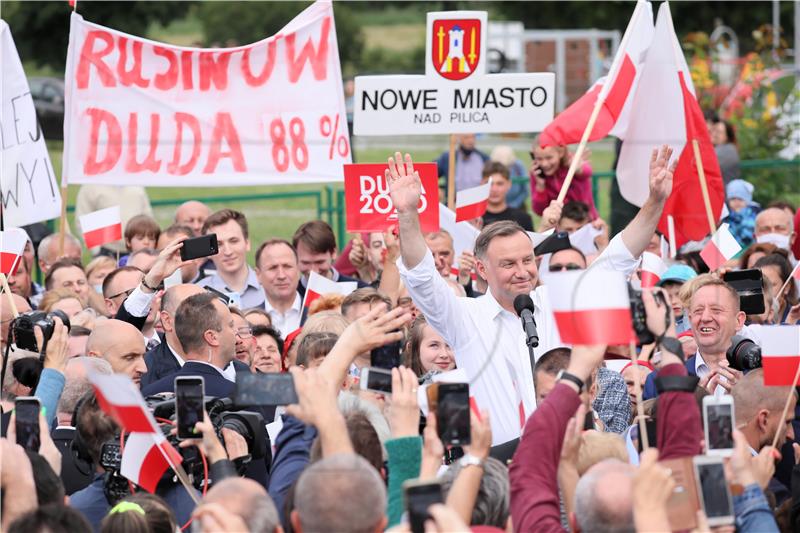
(558, 267)
(244, 332)
(126, 293)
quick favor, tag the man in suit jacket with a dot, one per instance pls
(204, 328)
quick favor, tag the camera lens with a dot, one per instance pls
(744, 354)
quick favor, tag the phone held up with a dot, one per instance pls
(376, 379)
(713, 491)
(197, 247)
(264, 389)
(718, 417)
(26, 422)
(419, 496)
(450, 403)
(189, 405)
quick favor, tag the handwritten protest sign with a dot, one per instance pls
(369, 206)
(147, 113)
(28, 184)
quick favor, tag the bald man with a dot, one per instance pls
(604, 498)
(168, 357)
(245, 499)
(758, 411)
(775, 226)
(6, 314)
(122, 345)
(192, 214)
(48, 250)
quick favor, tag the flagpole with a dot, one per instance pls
(703, 185)
(639, 403)
(62, 222)
(451, 174)
(183, 477)
(786, 283)
(7, 290)
(673, 249)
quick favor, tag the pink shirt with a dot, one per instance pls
(580, 190)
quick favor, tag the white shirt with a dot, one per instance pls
(177, 357)
(702, 370)
(488, 341)
(290, 320)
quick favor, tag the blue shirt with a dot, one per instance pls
(251, 296)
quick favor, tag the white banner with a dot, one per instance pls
(146, 113)
(28, 184)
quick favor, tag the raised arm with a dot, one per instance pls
(638, 232)
(405, 190)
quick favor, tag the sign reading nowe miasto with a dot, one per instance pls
(455, 95)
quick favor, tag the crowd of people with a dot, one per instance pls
(555, 438)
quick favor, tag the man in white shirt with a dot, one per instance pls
(279, 275)
(485, 332)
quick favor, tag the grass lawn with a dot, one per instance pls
(279, 217)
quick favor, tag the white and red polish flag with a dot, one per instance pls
(12, 245)
(653, 267)
(780, 354)
(121, 399)
(101, 227)
(665, 111)
(319, 285)
(146, 457)
(464, 234)
(472, 203)
(720, 248)
(591, 306)
(617, 88)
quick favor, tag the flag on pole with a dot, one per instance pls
(101, 227)
(653, 267)
(665, 111)
(144, 459)
(617, 88)
(472, 203)
(591, 306)
(463, 234)
(319, 285)
(121, 399)
(12, 246)
(720, 248)
(780, 354)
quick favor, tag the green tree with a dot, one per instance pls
(247, 22)
(41, 29)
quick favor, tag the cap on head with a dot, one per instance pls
(679, 273)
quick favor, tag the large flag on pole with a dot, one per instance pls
(665, 111)
(616, 89)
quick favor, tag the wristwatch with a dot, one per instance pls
(470, 460)
(671, 345)
(563, 374)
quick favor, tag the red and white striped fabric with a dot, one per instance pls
(591, 306)
(101, 227)
(146, 457)
(319, 285)
(653, 267)
(780, 354)
(796, 271)
(12, 245)
(121, 399)
(720, 248)
(472, 203)
(617, 88)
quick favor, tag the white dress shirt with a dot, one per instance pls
(488, 341)
(290, 320)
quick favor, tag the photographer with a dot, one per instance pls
(715, 317)
(94, 429)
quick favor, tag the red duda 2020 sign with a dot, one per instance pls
(369, 204)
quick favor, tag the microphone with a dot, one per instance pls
(523, 305)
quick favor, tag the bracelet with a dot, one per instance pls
(563, 374)
(148, 287)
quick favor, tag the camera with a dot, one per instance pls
(248, 424)
(22, 328)
(743, 354)
(639, 315)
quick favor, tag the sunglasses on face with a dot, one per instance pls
(558, 267)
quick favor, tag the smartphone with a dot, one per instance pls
(376, 380)
(419, 496)
(718, 417)
(264, 389)
(749, 285)
(189, 395)
(712, 487)
(588, 421)
(202, 246)
(386, 356)
(26, 416)
(452, 413)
